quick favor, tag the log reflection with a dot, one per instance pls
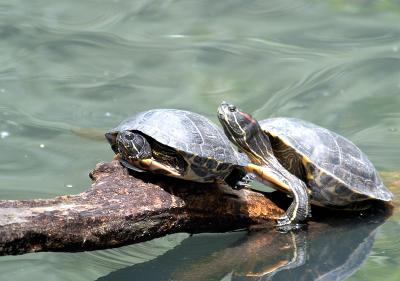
(334, 245)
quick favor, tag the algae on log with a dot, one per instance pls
(120, 209)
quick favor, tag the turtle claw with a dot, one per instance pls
(241, 185)
(309, 215)
(245, 181)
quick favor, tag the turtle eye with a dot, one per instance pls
(130, 136)
(231, 108)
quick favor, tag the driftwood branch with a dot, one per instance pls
(120, 209)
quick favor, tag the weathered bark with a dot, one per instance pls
(119, 209)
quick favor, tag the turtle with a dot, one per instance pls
(180, 144)
(335, 173)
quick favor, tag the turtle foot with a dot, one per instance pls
(285, 225)
(244, 182)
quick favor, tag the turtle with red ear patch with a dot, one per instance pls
(311, 163)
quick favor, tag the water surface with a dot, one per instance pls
(68, 65)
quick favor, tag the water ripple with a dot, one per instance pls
(69, 70)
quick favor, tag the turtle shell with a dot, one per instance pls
(335, 169)
(184, 131)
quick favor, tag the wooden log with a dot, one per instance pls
(119, 209)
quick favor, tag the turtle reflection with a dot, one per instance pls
(333, 255)
(332, 249)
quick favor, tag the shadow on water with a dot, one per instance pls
(333, 247)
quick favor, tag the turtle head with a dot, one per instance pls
(244, 131)
(132, 146)
(238, 125)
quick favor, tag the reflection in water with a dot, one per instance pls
(332, 249)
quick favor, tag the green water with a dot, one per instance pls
(66, 65)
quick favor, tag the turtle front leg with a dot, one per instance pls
(299, 210)
(156, 167)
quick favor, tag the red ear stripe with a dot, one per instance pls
(247, 117)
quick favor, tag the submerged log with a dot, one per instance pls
(120, 208)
